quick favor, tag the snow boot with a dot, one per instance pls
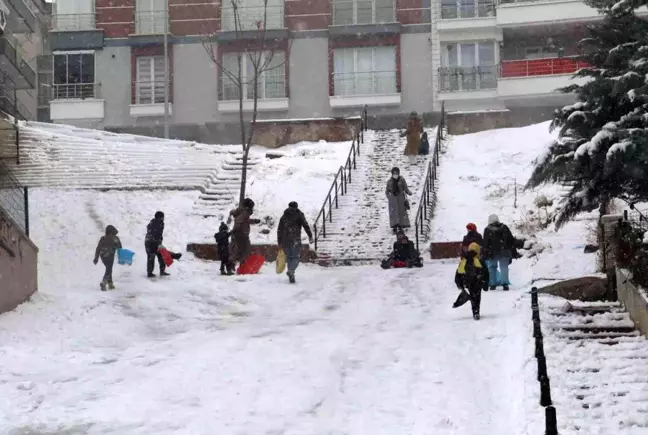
(506, 288)
(476, 316)
(111, 286)
(150, 275)
(291, 277)
(163, 273)
(492, 287)
(102, 286)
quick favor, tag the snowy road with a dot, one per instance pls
(346, 351)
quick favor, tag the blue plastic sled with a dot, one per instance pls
(125, 256)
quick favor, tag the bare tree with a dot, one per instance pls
(260, 52)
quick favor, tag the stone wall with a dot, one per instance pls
(473, 122)
(442, 250)
(18, 265)
(209, 251)
(634, 300)
(277, 133)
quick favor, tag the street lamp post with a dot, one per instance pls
(166, 69)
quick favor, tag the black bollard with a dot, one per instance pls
(542, 367)
(539, 347)
(537, 332)
(551, 422)
(535, 315)
(545, 392)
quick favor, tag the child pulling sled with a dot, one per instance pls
(106, 249)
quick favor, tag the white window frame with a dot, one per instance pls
(463, 83)
(370, 75)
(251, 11)
(247, 85)
(354, 19)
(88, 86)
(153, 83)
(474, 6)
(150, 16)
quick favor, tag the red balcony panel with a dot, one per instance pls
(541, 67)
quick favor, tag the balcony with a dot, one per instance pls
(462, 14)
(467, 83)
(149, 100)
(356, 17)
(521, 78)
(75, 32)
(271, 95)
(151, 22)
(76, 101)
(372, 88)
(14, 65)
(247, 21)
(21, 19)
(516, 13)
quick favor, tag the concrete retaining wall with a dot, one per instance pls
(635, 300)
(274, 134)
(209, 251)
(18, 265)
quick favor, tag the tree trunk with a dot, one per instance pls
(244, 173)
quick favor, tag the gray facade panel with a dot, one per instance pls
(365, 29)
(195, 94)
(242, 35)
(82, 40)
(309, 78)
(113, 71)
(417, 90)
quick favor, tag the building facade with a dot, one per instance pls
(331, 58)
(24, 25)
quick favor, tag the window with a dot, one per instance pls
(468, 66)
(74, 15)
(364, 71)
(451, 9)
(251, 14)
(150, 17)
(74, 75)
(362, 12)
(149, 80)
(271, 81)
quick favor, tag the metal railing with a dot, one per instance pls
(252, 17)
(150, 92)
(269, 86)
(79, 91)
(460, 79)
(364, 83)
(468, 9)
(339, 187)
(14, 198)
(541, 67)
(73, 22)
(151, 22)
(348, 12)
(428, 197)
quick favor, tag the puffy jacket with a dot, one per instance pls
(290, 226)
(471, 237)
(404, 251)
(155, 231)
(498, 241)
(108, 244)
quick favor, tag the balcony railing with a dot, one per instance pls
(73, 22)
(541, 67)
(76, 91)
(462, 79)
(364, 83)
(149, 92)
(151, 22)
(252, 17)
(471, 9)
(347, 12)
(268, 88)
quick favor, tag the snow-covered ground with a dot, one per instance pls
(353, 350)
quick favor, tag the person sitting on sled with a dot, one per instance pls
(106, 249)
(222, 242)
(472, 276)
(404, 254)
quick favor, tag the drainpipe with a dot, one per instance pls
(166, 70)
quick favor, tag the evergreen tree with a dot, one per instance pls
(602, 148)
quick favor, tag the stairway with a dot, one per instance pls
(222, 189)
(598, 367)
(360, 229)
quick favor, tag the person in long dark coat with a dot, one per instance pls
(152, 242)
(499, 249)
(106, 249)
(240, 246)
(397, 201)
(289, 236)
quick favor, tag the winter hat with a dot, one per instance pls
(159, 215)
(395, 170)
(223, 227)
(293, 204)
(111, 231)
(493, 219)
(247, 202)
(471, 227)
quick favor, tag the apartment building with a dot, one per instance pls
(395, 56)
(20, 45)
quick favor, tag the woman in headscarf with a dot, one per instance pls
(397, 201)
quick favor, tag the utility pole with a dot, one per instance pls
(166, 69)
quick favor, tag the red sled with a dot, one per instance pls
(398, 264)
(166, 256)
(252, 265)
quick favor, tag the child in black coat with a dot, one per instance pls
(471, 275)
(106, 249)
(222, 241)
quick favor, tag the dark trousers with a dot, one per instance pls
(475, 298)
(226, 264)
(108, 262)
(151, 253)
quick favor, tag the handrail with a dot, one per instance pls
(342, 179)
(428, 198)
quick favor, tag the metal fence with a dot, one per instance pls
(14, 198)
(460, 79)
